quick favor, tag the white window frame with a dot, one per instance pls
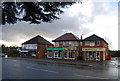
(87, 43)
(66, 43)
(98, 43)
(68, 54)
(60, 43)
(75, 43)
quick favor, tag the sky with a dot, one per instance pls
(91, 17)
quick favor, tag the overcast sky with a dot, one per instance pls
(91, 17)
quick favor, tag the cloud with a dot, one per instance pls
(87, 18)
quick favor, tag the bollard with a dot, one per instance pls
(6, 56)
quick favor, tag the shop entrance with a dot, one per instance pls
(92, 55)
(69, 54)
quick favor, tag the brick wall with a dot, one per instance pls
(41, 50)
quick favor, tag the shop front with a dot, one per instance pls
(61, 53)
(93, 54)
(55, 52)
(70, 53)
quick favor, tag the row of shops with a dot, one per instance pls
(67, 46)
(90, 48)
(73, 53)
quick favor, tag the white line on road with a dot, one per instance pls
(91, 77)
(43, 70)
(15, 60)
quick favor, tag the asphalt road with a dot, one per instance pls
(25, 69)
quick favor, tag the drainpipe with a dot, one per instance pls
(81, 48)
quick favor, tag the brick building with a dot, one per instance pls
(36, 46)
(66, 46)
(94, 48)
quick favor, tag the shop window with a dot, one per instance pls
(55, 54)
(72, 54)
(97, 43)
(87, 55)
(90, 54)
(50, 54)
(60, 54)
(66, 53)
(98, 55)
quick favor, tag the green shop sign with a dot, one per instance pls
(54, 48)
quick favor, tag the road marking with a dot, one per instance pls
(43, 70)
(91, 77)
(14, 60)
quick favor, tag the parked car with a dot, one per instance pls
(2, 55)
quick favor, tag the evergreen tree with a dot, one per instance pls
(33, 12)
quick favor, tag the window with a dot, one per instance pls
(55, 54)
(67, 43)
(56, 44)
(98, 55)
(66, 53)
(97, 43)
(60, 54)
(71, 54)
(75, 43)
(60, 43)
(87, 55)
(87, 43)
(92, 44)
(50, 54)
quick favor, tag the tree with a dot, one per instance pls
(33, 12)
(13, 53)
(3, 48)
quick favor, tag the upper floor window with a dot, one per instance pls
(56, 44)
(92, 43)
(87, 43)
(97, 43)
(75, 43)
(60, 43)
(67, 43)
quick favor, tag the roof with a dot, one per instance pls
(67, 37)
(38, 40)
(94, 38)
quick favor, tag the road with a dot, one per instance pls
(25, 69)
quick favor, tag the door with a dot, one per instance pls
(55, 54)
(98, 56)
(60, 54)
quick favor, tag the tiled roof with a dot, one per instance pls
(94, 38)
(67, 37)
(38, 40)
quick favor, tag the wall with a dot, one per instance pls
(41, 50)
